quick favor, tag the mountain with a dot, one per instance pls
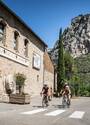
(76, 38)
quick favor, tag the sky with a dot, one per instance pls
(46, 17)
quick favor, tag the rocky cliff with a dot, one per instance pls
(76, 38)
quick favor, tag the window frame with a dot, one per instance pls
(16, 41)
(4, 24)
(26, 47)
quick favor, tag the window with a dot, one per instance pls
(37, 78)
(15, 42)
(36, 61)
(26, 47)
(1, 32)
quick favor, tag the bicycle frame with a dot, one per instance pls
(45, 101)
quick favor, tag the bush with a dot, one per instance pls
(84, 93)
(20, 81)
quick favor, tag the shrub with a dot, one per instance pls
(20, 81)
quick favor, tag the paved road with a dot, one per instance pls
(34, 114)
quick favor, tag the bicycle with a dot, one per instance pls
(45, 101)
(66, 101)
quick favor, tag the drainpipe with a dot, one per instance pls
(43, 69)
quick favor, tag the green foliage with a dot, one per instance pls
(20, 79)
(75, 71)
(68, 60)
(60, 66)
(84, 89)
(83, 65)
(71, 73)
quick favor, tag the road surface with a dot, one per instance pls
(54, 114)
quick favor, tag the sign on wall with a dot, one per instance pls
(36, 61)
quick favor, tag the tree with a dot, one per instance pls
(60, 65)
(71, 73)
(69, 65)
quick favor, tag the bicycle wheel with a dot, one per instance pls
(68, 103)
(63, 102)
(43, 102)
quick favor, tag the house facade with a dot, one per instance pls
(48, 71)
(21, 51)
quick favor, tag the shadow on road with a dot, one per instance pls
(58, 106)
(37, 106)
(55, 106)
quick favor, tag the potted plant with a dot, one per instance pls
(20, 97)
(20, 82)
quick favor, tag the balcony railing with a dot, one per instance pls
(4, 52)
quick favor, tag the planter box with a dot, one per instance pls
(19, 99)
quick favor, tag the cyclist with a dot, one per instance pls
(44, 92)
(66, 92)
(50, 93)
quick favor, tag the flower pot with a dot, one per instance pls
(19, 99)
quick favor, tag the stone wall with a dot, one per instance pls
(48, 71)
(49, 79)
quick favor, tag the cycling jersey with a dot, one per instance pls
(45, 90)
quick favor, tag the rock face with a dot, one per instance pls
(76, 38)
(53, 52)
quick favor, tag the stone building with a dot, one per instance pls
(21, 51)
(48, 71)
